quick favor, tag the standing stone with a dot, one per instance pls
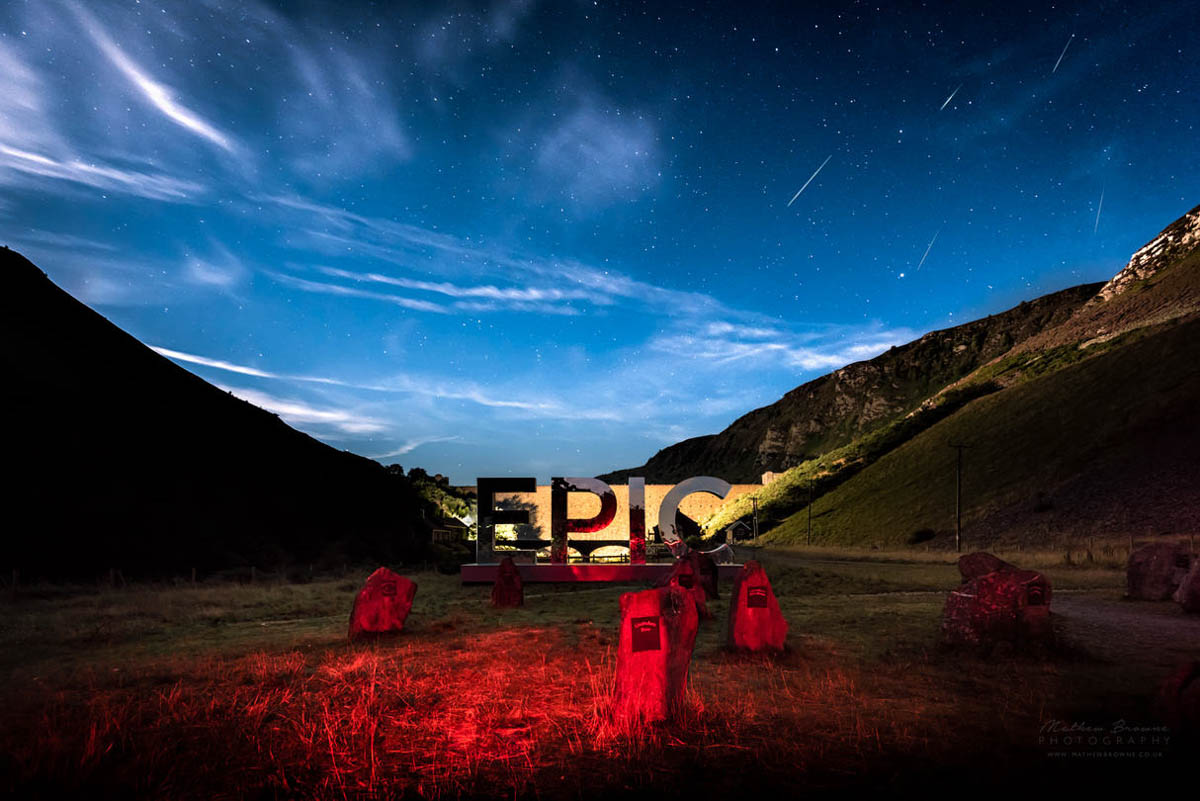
(508, 591)
(1154, 572)
(706, 568)
(1188, 594)
(1007, 605)
(382, 605)
(658, 631)
(688, 574)
(755, 620)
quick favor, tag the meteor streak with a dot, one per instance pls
(928, 248)
(1060, 55)
(1096, 227)
(951, 97)
(809, 181)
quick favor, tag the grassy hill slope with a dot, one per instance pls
(1105, 446)
(832, 411)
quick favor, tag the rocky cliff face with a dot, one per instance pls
(1160, 283)
(1177, 241)
(836, 408)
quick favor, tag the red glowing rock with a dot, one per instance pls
(1179, 698)
(658, 631)
(1188, 594)
(382, 605)
(697, 573)
(755, 620)
(1154, 572)
(1007, 605)
(508, 591)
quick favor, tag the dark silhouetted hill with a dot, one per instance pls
(118, 457)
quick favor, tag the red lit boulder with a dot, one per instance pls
(508, 591)
(1154, 572)
(755, 621)
(658, 631)
(697, 574)
(382, 605)
(1179, 698)
(1188, 594)
(1006, 605)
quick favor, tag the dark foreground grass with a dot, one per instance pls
(252, 691)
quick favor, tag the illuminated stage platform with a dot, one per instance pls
(485, 573)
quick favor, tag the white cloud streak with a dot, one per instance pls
(321, 287)
(154, 187)
(300, 413)
(412, 445)
(157, 94)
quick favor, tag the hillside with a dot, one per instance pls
(835, 409)
(124, 459)
(1103, 339)
(1106, 446)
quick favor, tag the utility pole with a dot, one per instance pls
(810, 489)
(958, 497)
(755, 502)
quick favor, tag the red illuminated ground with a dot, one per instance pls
(181, 692)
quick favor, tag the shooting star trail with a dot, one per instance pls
(809, 181)
(951, 97)
(1060, 55)
(929, 248)
(1096, 227)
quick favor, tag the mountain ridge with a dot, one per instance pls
(95, 487)
(816, 418)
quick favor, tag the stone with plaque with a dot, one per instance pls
(658, 632)
(755, 620)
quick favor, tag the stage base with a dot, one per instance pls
(485, 573)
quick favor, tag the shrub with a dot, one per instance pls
(921, 535)
(450, 557)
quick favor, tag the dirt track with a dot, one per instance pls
(1156, 636)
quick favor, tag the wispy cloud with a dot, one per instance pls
(545, 278)
(340, 86)
(518, 294)
(598, 155)
(147, 185)
(324, 288)
(156, 93)
(412, 445)
(723, 343)
(523, 400)
(302, 414)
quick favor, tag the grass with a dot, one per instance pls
(790, 491)
(242, 690)
(1042, 469)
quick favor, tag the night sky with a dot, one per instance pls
(526, 238)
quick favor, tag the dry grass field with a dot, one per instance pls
(251, 690)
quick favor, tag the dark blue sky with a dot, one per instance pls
(550, 238)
